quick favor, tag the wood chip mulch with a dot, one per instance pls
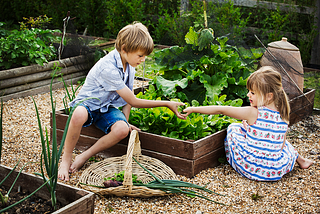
(297, 192)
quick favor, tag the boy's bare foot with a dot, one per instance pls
(63, 173)
(64, 169)
(78, 163)
(304, 163)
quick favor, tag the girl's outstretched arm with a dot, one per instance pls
(242, 113)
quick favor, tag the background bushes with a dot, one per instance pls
(167, 25)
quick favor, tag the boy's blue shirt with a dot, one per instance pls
(102, 81)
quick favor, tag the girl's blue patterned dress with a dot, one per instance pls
(256, 152)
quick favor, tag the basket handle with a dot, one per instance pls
(134, 148)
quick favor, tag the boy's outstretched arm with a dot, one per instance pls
(131, 99)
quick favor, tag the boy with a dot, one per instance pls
(111, 80)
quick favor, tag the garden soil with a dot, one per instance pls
(32, 205)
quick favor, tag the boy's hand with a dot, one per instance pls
(174, 106)
(132, 127)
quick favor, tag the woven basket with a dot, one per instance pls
(95, 174)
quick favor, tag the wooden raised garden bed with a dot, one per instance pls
(35, 79)
(184, 157)
(73, 199)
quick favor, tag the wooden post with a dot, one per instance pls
(315, 52)
(184, 4)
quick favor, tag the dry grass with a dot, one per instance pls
(296, 192)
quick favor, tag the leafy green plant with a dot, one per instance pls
(202, 68)
(22, 48)
(256, 196)
(176, 187)
(25, 198)
(37, 22)
(3, 31)
(118, 179)
(199, 73)
(5, 198)
(162, 121)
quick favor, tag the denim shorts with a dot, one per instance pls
(105, 120)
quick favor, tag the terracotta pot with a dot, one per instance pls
(285, 57)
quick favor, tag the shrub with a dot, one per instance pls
(22, 48)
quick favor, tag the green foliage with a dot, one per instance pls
(125, 12)
(208, 68)
(311, 80)
(26, 47)
(167, 26)
(120, 177)
(200, 73)
(4, 199)
(3, 31)
(169, 29)
(162, 121)
(37, 22)
(272, 25)
(177, 187)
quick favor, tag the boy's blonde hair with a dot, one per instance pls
(266, 80)
(134, 37)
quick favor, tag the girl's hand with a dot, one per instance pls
(245, 124)
(188, 111)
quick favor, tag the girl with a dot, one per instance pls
(257, 148)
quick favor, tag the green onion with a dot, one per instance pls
(176, 187)
(172, 186)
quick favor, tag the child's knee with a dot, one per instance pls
(121, 129)
(79, 116)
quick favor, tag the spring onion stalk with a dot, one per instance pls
(50, 158)
(69, 97)
(174, 186)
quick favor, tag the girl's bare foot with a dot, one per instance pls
(304, 163)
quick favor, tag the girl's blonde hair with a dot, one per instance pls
(266, 80)
(134, 37)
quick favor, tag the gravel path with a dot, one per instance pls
(296, 192)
